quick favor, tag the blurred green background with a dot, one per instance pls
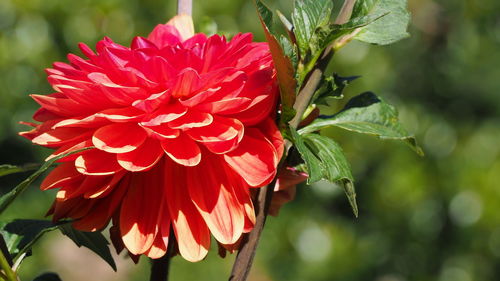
(432, 218)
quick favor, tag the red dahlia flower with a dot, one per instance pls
(182, 127)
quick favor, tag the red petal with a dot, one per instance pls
(221, 136)
(212, 193)
(191, 231)
(164, 114)
(126, 114)
(101, 190)
(188, 81)
(164, 35)
(122, 95)
(159, 248)
(192, 119)
(119, 138)
(226, 106)
(61, 175)
(143, 158)
(255, 159)
(182, 150)
(139, 215)
(95, 219)
(272, 133)
(98, 163)
(240, 189)
(61, 136)
(69, 148)
(162, 131)
(60, 105)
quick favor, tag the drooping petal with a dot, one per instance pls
(191, 231)
(213, 195)
(119, 137)
(139, 216)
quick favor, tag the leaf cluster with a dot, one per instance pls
(311, 39)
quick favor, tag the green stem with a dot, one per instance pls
(10, 275)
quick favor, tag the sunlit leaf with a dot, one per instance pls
(388, 29)
(307, 16)
(367, 114)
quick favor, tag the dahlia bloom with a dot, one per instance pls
(182, 127)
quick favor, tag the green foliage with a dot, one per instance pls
(331, 87)
(21, 234)
(307, 16)
(334, 165)
(388, 29)
(95, 241)
(7, 169)
(324, 159)
(367, 114)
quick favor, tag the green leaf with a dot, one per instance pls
(331, 87)
(21, 234)
(266, 15)
(307, 16)
(334, 165)
(326, 35)
(367, 114)
(95, 241)
(324, 159)
(49, 276)
(9, 197)
(313, 164)
(388, 29)
(7, 169)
